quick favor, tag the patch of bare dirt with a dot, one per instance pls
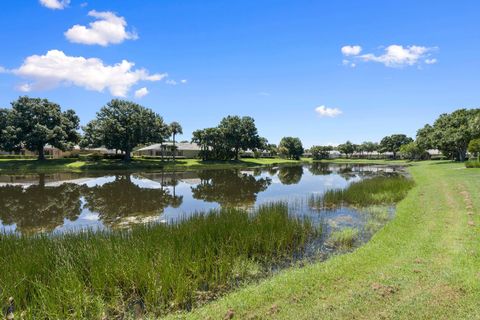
(384, 290)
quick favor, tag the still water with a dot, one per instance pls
(103, 200)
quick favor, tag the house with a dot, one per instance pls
(259, 153)
(183, 150)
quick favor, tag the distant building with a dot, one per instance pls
(259, 153)
(183, 150)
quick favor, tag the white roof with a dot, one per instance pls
(179, 146)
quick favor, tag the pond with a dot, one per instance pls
(169, 241)
(104, 200)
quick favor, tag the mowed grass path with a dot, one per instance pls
(425, 264)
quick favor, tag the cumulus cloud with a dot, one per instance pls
(183, 81)
(55, 4)
(142, 92)
(393, 56)
(107, 29)
(2, 70)
(55, 68)
(351, 50)
(323, 111)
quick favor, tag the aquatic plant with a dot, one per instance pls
(367, 192)
(154, 268)
(344, 238)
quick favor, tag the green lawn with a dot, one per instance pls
(75, 165)
(425, 264)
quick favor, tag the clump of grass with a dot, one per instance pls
(377, 216)
(344, 238)
(158, 267)
(372, 191)
(472, 164)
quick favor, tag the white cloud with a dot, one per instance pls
(142, 92)
(328, 112)
(264, 94)
(55, 68)
(175, 82)
(351, 50)
(2, 70)
(24, 87)
(431, 61)
(348, 63)
(107, 29)
(55, 4)
(399, 56)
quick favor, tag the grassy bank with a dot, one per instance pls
(155, 268)
(137, 164)
(423, 265)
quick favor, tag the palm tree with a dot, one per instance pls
(175, 128)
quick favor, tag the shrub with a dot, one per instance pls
(472, 164)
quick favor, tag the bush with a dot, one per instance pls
(117, 156)
(472, 164)
(16, 156)
(97, 156)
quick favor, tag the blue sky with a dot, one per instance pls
(402, 63)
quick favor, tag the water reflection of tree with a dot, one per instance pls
(229, 188)
(290, 175)
(120, 199)
(320, 169)
(39, 208)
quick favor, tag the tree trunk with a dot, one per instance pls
(236, 153)
(41, 153)
(174, 151)
(127, 157)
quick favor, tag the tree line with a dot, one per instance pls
(453, 134)
(33, 123)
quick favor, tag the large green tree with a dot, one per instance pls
(452, 132)
(240, 134)
(9, 135)
(393, 143)
(39, 122)
(291, 147)
(347, 148)
(225, 141)
(122, 125)
(413, 151)
(320, 152)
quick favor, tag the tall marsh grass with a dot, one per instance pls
(157, 268)
(371, 191)
(344, 238)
